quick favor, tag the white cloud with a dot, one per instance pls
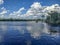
(54, 7)
(1, 1)
(3, 12)
(17, 14)
(35, 11)
(36, 5)
(21, 9)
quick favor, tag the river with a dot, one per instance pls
(28, 33)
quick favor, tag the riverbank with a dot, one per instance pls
(53, 24)
(20, 19)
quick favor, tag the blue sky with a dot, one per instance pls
(12, 7)
(16, 4)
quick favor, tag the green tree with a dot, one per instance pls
(54, 17)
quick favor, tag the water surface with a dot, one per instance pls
(28, 33)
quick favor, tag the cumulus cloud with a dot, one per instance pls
(17, 14)
(1, 2)
(54, 7)
(3, 12)
(35, 11)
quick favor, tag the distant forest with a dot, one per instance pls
(52, 18)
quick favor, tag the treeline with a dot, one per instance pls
(53, 18)
(11, 19)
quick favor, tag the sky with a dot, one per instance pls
(26, 8)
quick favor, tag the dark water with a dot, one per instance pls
(29, 33)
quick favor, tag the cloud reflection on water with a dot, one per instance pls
(35, 29)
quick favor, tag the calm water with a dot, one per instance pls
(29, 33)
